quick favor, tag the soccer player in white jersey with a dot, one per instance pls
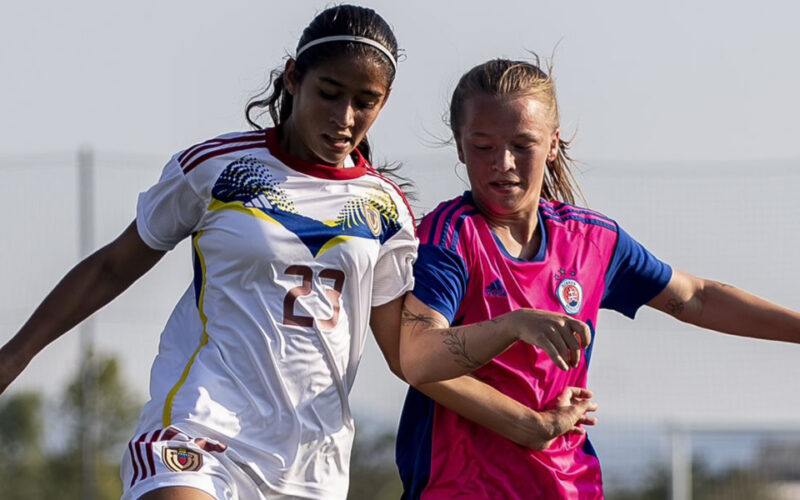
(299, 246)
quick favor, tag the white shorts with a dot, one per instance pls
(168, 457)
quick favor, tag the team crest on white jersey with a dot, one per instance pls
(373, 218)
(182, 459)
(570, 295)
(374, 209)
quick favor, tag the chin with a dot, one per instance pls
(334, 159)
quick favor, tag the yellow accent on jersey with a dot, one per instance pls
(336, 240)
(167, 415)
(238, 206)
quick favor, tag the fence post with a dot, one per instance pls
(85, 191)
(681, 486)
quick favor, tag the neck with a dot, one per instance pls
(284, 133)
(292, 145)
(520, 233)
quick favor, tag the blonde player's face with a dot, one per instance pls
(334, 105)
(506, 142)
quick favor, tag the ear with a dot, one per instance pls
(460, 150)
(290, 76)
(555, 141)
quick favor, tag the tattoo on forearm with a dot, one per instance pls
(559, 428)
(415, 321)
(675, 307)
(457, 345)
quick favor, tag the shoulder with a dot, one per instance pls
(573, 218)
(387, 185)
(220, 147)
(444, 225)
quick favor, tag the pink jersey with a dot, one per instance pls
(464, 272)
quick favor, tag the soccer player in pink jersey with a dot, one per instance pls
(509, 281)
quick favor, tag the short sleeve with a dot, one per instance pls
(440, 279)
(169, 211)
(634, 276)
(394, 270)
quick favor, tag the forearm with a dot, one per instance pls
(87, 287)
(486, 406)
(81, 292)
(731, 310)
(724, 308)
(431, 349)
(465, 395)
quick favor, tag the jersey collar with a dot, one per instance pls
(316, 169)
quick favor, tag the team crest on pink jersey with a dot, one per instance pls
(570, 294)
(181, 459)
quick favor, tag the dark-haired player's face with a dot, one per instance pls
(506, 142)
(334, 105)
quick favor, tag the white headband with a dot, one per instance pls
(348, 38)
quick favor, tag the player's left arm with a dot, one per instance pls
(724, 308)
(385, 324)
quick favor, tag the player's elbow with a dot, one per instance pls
(413, 372)
(396, 369)
(419, 363)
(416, 377)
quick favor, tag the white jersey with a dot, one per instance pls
(289, 259)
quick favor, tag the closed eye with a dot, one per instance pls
(328, 96)
(366, 104)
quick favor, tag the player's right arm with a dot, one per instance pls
(90, 285)
(481, 403)
(431, 349)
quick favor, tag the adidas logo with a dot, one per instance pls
(495, 289)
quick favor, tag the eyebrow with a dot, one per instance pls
(337, 83)
(529, 137)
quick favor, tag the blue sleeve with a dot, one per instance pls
(634, 276)
(440, 277)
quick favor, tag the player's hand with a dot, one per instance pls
(568, 413)
(560, 336)
(572, 406)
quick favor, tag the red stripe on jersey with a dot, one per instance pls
(210, 447)
(149, 453)
(139, 454)
(168, 434)
(219, 152)
(192, 151)
(133, 462)
(374, 173)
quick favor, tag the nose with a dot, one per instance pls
(505, 160)
(342, 114)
